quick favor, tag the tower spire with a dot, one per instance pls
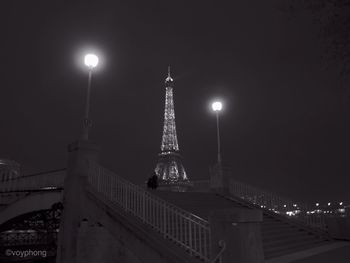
(169, 169)
(168, 79)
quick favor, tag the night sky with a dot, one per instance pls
(286, 120)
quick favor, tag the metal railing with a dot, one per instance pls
(277, 204)
(260, 197)
(22, 238)
(34, 182)
(183, 228)
(218, 257)
(315, 220)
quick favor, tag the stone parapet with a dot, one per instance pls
(240, 229)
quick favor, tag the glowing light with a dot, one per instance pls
(285, 206)
(317, 204)
(341, 203)
(217, 106)
(290, 213)
(329, 204)
(169, 79)
(91, 60)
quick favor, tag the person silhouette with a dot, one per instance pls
(153, 181)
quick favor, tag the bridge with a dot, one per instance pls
(86, 213)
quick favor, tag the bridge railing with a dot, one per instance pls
(315, 220)
(277, 204)
(22, 238)
(42, 181)
(185, 229)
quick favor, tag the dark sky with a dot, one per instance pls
(286, 122)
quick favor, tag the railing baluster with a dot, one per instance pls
(164, 220)
(125, 197)
(205, 244)
(156, 214)
(143, 206)
(200, 240)
(190, 236)
(176, 226)
(181, 239)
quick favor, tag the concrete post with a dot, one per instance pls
(81, 153)
(240, 229)
(219, 179)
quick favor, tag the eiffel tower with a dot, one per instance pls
(170, 171)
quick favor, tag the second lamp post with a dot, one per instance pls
(91, 62)
(217, 107)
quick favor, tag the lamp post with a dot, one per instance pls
(217, 107)
(91, 61)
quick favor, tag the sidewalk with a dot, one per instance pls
(338, 255)
(338, 252)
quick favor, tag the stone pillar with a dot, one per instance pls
(240, 229)
(81, 153)
(219, 179)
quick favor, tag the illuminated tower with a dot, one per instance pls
(169, 169)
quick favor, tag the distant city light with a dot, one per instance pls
(91, 60)
(341, 203)
(293, 213)
(285, 206)
(329, 204)
(317, 204)
(217, 106)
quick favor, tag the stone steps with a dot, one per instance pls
(282, 234)
(273, 252)
(279, 236)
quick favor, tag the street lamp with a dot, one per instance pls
(217, 107)
(91, 61)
